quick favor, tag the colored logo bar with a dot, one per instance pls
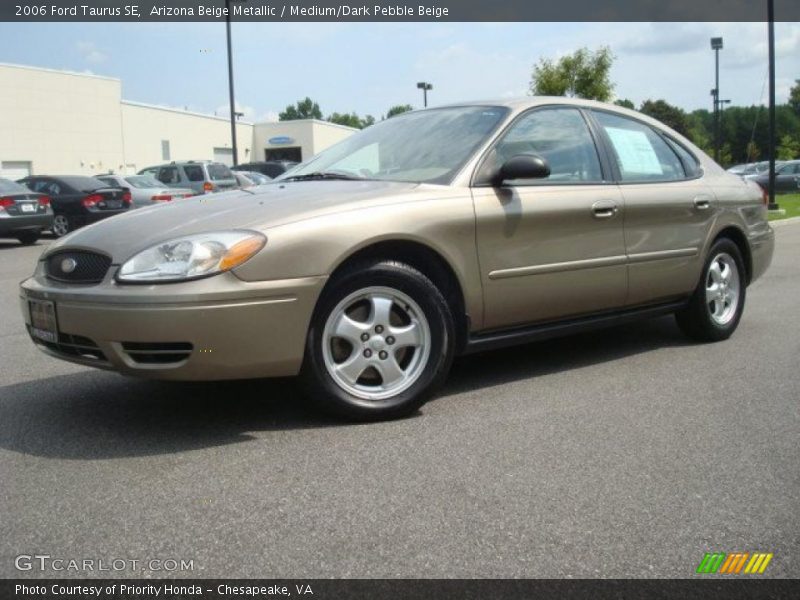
(734, 563)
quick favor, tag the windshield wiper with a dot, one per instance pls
(324, 175)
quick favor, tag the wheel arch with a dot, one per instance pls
(738, 237)
(427, 261)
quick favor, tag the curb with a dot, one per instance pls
(782, 222)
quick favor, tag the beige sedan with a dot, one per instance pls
(435, 233)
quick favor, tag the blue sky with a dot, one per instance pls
(368, 67)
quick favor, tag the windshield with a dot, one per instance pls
(144, 181)
(427, 147)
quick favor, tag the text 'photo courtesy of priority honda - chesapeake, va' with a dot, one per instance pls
(399, 301)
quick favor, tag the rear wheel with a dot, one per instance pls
(62, 225)
(26, 238)
(716, 306)
(381, 341)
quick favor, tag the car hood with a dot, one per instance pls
(256, 208)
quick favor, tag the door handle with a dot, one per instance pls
(604, 209)
(702, 203)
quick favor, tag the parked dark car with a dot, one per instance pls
(787, 178)
(78, 200)
(23, 213)
(271, 168)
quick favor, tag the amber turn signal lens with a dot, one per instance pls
(241, 251)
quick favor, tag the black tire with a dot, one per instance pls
(62, 225)
(696, 319)
(26, 238)
(332, 397)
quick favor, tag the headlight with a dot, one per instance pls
(192, 256)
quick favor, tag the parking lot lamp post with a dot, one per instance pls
(230, 82)
(716, 46)
(424, 86)
(772, 205)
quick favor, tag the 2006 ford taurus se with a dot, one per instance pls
(434, 233)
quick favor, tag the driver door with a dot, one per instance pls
(549, 248)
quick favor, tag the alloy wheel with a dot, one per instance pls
(376, 343)
(723, 288)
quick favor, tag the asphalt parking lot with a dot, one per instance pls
(624, 453)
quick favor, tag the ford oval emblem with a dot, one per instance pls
(280, 139)
(68, 265)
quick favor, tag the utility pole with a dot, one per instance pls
(772, 205)
(230, 82)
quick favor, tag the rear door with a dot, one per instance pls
(668, 208)
(554, 247)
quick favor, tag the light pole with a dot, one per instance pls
(772, 205)
(230, 82)
(424, 86)
(716, 46)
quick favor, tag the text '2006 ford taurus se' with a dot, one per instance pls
(434, 233)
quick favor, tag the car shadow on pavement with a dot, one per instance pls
(99, 415)
(497, 367)
(94, 415)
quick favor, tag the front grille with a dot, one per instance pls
(157, 353)
(77, 266)
(73, 346)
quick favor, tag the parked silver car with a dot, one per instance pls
(146, 190)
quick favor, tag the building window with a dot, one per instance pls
(164, 149)
(293, 154)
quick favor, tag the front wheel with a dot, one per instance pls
(716, 306)
(380, 342)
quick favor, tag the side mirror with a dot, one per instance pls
(523, 166)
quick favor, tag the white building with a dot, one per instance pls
(59, 123)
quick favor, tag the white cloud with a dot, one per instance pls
(91, 53)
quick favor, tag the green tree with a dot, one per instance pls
(698, 131)
(303, 109)
(582, 74)
(625, 103)
(788, 148)
(794, 97)
(671, 116)
(752, 152)
(351, 120)
(398, 109)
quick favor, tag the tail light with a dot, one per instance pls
(6, 202)
(91, 200)
(44, 200)
(161, 198)
(126, 198)
(765, 196)
(208, 187)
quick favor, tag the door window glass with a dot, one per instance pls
(168, 175)
(560, 136)
(642, 155)
(194, 173)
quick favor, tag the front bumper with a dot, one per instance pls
(209, 329)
